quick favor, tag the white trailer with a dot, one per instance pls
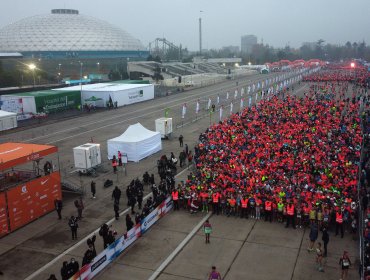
(87, 157)
(8, 120)
(164, 126)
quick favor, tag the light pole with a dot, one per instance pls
(32, 68)
(59, 73)
(81, 64)
(200, 32)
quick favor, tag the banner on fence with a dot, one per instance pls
(89, 271)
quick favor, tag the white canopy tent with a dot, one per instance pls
(137, 142)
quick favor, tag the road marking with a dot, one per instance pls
(178, 248)
(46, 266)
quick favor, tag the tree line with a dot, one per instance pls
(262, 53)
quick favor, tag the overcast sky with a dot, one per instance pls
(277, 22)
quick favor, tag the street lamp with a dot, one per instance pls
(81, 64)
(32, 67)
(98, 64)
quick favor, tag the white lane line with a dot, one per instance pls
(178, 248)
(46, 266)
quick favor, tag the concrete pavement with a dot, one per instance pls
(38, 243)
(239, 248)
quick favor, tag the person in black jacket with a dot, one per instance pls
(146, 177)
(140, 196)
(325, 239)
(103, 232)
(64, 271)
(116, 210)
(116, 195)
(90, 254)
(73, 225)
(73, 267)
(58, 207)
(129, 222)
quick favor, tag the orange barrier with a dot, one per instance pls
(4, 226)
(33, 199)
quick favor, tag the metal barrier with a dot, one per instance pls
(361, 218)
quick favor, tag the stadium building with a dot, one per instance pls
(61, 41)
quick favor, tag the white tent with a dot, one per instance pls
(137, 142)
(8, 120)
(123, 94)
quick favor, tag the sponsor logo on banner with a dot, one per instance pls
(44, 182)
(98, 263)
(149, 220)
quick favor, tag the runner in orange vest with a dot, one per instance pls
(290, 215)
(232, 206)
(114, 164)
(244, 207)
(268, 210)
(215, 203)
(339, 223)
(175, 199)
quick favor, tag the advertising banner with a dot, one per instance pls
(4, 226)
(89, 271)
(126, 241)
(57, 101)
(149, 220)
(165, 207)
(33, 199)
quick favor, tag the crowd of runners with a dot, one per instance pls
(287, 159)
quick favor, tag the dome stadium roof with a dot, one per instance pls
(65, 30)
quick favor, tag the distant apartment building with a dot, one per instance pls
(231, 49)
(247, 43)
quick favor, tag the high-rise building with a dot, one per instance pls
(247, 43)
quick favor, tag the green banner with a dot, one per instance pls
(57, 101)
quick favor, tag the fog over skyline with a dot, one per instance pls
(278, 23)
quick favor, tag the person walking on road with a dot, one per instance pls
(207, 227)
(116, 210)
(73, 225)
(116, 195)
(314, 232)
(80, 207)
(325, 239)
(181, 140)
(93, 188)
(182, 158)
(58, 207)
(319, 256)
(214, 274)
(345, 263)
